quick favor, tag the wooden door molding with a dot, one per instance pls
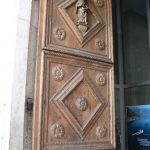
(74, 96)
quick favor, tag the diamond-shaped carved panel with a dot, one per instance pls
(94, 25)
(80, 103)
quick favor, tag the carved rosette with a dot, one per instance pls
(100, 44)
(101, 131)
(100, 3)
(82, 103)
(58, 73)
(60, 34)
(101, 79)
(57, 130)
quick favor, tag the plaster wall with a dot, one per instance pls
(8, 26)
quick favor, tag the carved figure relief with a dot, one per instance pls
(57, 130)
(100, 44)
(100, 79)
(100, 3)
(82, 103)
(82, 12)
(61, 34)
(58, 73)
(101, 131)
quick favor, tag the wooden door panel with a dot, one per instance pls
(77, 102)
(63, 32)
(74, 96)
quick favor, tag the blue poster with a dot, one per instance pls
(138, 127)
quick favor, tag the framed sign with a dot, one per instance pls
(138, 127)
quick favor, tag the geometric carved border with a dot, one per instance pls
(60, 96)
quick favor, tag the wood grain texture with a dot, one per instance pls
(74, 96)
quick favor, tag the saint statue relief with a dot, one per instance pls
(82, 12)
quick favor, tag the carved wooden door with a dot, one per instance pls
(74, 98)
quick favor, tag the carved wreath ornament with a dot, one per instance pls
(82, 103)
(101, 79)
(57, 130)
(59, 73)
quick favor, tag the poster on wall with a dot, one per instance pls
(138, 127)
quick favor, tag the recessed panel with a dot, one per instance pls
(78, 103)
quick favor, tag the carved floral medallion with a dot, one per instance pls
(57, 130)
(100, 44)
(101, 131)
(59, 73)
(100, 3)
(60, 34)
(82, 103)
(101, 79)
